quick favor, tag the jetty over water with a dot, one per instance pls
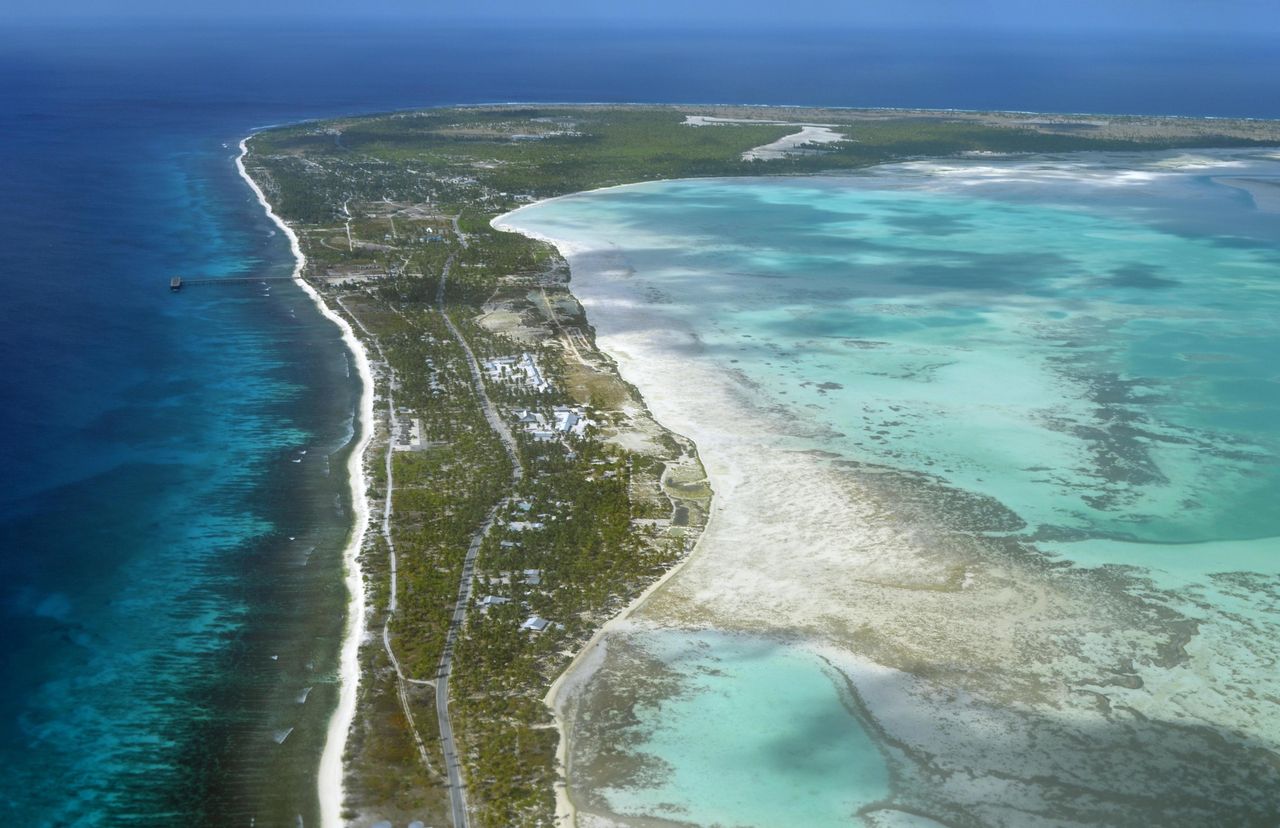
(178, 283)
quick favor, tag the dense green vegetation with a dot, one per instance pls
(476, 160)
(376, 202)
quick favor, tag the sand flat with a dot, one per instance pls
(1001, 685)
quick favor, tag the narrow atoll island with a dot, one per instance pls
(634, 503)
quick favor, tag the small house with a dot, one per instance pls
(535, 623)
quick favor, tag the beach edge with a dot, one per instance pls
(329, 782)
(588, 659)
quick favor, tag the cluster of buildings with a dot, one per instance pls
(408, 434)
(532, 577)
(565, 420)
(522, 370)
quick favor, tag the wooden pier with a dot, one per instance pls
(177, 283)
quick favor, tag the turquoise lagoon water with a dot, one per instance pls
(1094, 347)
(775, 723)
(1090, 341)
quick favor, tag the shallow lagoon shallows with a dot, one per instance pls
(775, 722)
(1097, 358)
(1050, 359)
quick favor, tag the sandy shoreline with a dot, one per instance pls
(330, 776)
(970, 659)
(586, 263)
(580, 671)
(786, 145)
(591, 656)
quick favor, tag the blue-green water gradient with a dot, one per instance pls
(1089, 342)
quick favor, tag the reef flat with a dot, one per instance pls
(935, 622)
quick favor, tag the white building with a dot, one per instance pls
(536, 623)
(533, 376)
(522, 369)
(528, 418)
(570, 420)
(408, 436)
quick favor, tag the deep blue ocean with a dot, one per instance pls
(170, 587)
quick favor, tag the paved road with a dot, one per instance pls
(457, 231)
(457, 790)
(453, 765)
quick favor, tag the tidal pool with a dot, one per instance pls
(740, 731)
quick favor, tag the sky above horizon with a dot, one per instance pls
(1189, 17)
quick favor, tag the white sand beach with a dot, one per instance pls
(974, 665)
(784, 146)
(330, 779)
(791, 144)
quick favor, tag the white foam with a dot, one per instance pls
(329, 778)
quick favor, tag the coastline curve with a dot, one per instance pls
(916, 598)
(329, 779)
(590, 657)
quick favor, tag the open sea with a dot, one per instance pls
(173, 506)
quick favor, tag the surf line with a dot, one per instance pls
(329, 778)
